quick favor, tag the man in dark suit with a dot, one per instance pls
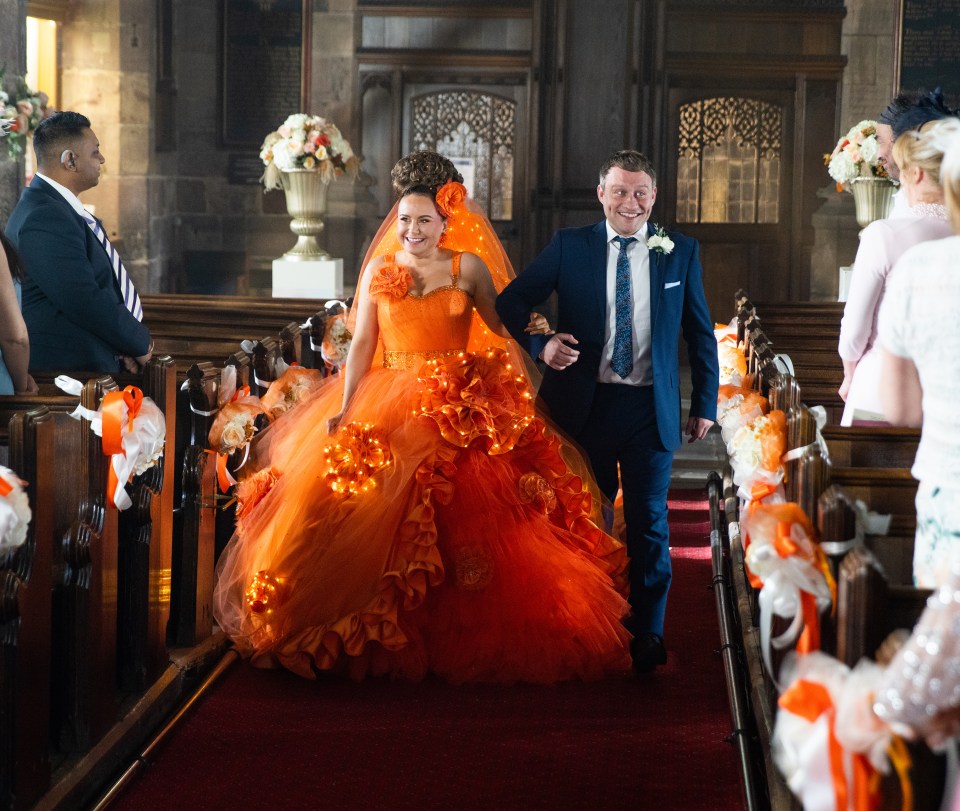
(80, 306)
(625, 291)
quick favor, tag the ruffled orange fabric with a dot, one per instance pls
(354, 457)
(251, 490)
(476, 397)
(391, 280)
(415, 566)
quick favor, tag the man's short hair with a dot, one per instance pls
(630, 161)
(56, 133)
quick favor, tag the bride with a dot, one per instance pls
(418, 515)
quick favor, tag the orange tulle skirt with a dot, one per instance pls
(444, 528)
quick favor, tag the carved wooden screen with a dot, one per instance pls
(475, 130)
(728, 161)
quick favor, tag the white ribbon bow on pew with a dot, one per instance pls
(133, 431)
(785, 578)
(15, 513)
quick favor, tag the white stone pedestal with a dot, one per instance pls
(322, 279)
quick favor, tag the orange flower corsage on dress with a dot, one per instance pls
(391, 280)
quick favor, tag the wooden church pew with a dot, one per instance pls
(27, 581)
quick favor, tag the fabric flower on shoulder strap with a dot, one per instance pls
(391, 280)
(659, 241)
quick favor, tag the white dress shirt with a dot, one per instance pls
(67, 195)
(639, 256)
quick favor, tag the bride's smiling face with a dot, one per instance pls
(419, 224)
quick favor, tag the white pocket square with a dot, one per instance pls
(668, 285)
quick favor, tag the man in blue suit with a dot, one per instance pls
(80, 306)
(625, 291)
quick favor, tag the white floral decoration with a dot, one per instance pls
(659, 241)
(15, 512)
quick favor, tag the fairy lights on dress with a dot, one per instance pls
(352, 462)
(264, 594)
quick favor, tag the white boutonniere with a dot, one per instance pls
(659, 241)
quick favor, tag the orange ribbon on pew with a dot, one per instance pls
(810, 700)
(5, 487)
(224, 479)
(112, 427)
(762, 490)
(242, 391)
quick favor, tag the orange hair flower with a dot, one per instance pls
(450, 197)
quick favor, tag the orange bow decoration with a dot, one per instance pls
(5, 487)
(112, 413)
(242, 391)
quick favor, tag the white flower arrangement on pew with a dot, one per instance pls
(15, 511)
(133, 432)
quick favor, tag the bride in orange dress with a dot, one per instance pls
(417, 515)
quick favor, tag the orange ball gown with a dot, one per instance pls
(444, 528)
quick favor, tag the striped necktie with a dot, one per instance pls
(622, 360)
(130, 298)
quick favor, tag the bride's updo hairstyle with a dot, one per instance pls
(423, 172)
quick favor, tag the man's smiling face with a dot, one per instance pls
(627, 199)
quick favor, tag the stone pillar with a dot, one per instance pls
(107, 57)
(868, 42)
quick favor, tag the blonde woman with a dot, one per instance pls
(882, 243)
(920, 381)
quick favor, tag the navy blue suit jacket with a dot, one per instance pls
(72, 303)
(574, 265)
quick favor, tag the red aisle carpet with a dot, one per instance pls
(268, 739)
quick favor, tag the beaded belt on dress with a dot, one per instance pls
(397, 359)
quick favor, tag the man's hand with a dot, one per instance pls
(697, 428)
(538, 325)
(558, 354)
(130, 364)
(31, 387)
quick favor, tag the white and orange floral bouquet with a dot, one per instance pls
(756, 450)
(15, 511)
(829, 744)
(294, 386)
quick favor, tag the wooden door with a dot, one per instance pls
(726, 182)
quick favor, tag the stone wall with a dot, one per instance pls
(869, 43)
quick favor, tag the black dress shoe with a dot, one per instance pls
(647, 652)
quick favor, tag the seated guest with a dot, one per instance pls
(80, 306)
(919, 336)
(14, 343)
(882, 243)
(907, 111)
